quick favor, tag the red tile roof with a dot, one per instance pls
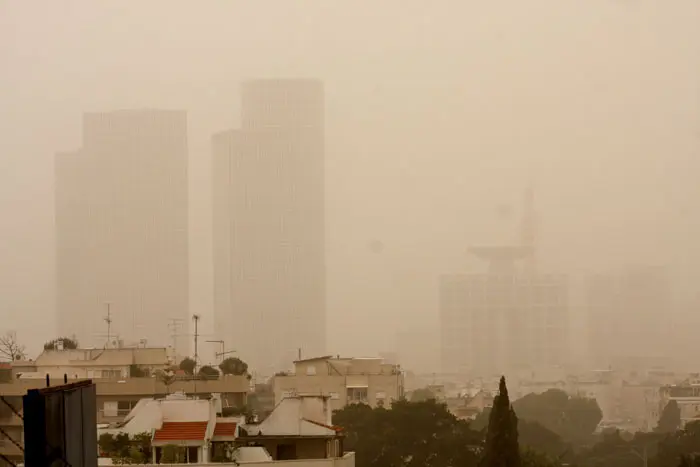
(5, 366)
(181, 431)
(225, 429)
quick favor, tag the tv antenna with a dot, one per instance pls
(223, 349)
(108, 320)
(196, 319)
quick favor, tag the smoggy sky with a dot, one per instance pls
(437, 114)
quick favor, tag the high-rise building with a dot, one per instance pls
(509, 318)
(269, 225)
(122, 228)
(497, 323)
(629, 317)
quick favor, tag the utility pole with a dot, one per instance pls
(196, 337)
(108, 320)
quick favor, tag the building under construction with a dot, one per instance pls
(508, 318)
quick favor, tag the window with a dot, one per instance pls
(334, 396)
(111, 373)
(381, 395)
(310, 370)
(357, 395)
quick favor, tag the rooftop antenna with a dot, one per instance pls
(108, 320)
(196, 318)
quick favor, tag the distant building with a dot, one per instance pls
(497, 323)
(628, 318)
(122, 228)
(269, 225)
(343, 380)
(508, 318)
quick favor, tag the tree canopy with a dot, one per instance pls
(574, 419)
(208, 371)
(234, 366)
(187, 365)
(68, 343)
(410, 434)
(670, 419)
(501, 447)
(422, 394)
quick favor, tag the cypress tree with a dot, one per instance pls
(502, 448)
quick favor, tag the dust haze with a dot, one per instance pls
(438, 119)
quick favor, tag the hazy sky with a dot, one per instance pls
(438, 112)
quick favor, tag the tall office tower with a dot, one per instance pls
(629, 317)
(269, 232)
(122, 228)
(509, 318)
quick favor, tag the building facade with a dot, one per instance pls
(343, 380)
(496, 323)
(269, 225)
(629, 320)
(122, 228)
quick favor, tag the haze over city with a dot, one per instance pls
(438, 119)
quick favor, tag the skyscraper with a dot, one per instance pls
(122, 228)
(269, 225)
(629, 317)
(508, 319)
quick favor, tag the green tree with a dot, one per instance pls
(172, 454)
(573, 418)
(422, 394)
(208, 372)
(501, 448)
(68, 343)
(410, 434)
(187, 365)
(233, 366)
(670, 419)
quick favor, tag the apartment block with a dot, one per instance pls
(493, 323)
(269, 225)
(343, 380)
(122, 228)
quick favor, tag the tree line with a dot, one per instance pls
(539, 430)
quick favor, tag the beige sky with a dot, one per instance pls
(437, 113)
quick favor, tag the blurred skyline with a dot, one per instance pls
(437, 116)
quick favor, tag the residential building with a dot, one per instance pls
(686, 395)
(194, 425)
(628, 317)
(300, 429)
(343, 380)
(269, 225)
(122, 229)
(108, 363)
(298, 432)
(116, 398)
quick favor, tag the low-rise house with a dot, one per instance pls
(191, 425)
(300, 428)
(108, 363)
(116, 399)
(343, 380)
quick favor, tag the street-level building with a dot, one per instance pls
(343, 380)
